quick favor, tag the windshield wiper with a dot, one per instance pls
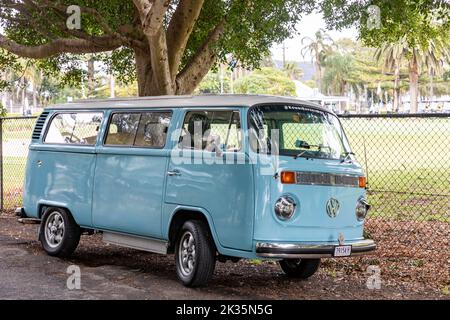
(320, 147)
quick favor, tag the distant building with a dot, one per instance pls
(333, 103)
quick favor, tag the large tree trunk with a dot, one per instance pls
(414, 83)
(147, 83)
(158, 34)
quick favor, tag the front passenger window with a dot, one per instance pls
(209, 130)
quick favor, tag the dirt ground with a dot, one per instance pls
(110, 272)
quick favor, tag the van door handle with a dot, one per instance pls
(174, 172)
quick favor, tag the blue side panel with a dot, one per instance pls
(128, 191)
(63, 177)
(224, 190)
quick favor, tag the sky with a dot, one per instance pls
(308, 27)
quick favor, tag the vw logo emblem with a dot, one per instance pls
(333, 207)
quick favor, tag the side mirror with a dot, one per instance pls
(302, 144)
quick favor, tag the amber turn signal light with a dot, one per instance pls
(362, 182)
(288, 177)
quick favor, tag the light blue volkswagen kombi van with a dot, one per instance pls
(205, 177)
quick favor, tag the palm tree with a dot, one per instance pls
(391, 55)
(292, 71)
(339, 75)
(431, 55)
(319, 49)
(437, 55)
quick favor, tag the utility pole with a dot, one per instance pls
(284, 55)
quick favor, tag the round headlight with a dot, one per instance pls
(285, 207)
(362, 207)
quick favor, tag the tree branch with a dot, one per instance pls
(58, 46)
(151, 14)
(179, 30)
(91, 11)
(199, 65)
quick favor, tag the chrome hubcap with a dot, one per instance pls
(54, 229)
(186, 253)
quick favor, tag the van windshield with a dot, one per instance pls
(297, 131)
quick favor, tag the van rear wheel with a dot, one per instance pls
(195, 254)
(299, 268)
(59, 234)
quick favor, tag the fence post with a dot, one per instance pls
(1, 164)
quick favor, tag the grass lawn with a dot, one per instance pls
(13, 177)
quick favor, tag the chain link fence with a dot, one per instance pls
(406, 159)
(15, 137)
(407, 163)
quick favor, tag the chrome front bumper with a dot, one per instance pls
(310, 250)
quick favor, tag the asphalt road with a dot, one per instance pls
(27, 275)
(110, 272)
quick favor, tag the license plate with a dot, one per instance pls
(342, 251)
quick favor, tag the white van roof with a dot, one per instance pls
(222, 100)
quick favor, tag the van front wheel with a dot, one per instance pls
(59, 234)
(195, 254)
(299, 268)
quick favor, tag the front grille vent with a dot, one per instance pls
(327, 179)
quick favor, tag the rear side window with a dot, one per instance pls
(74, 128)
(147, 129)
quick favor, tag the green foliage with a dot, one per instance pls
(292, 71)
(310, 83)
(121, 90)
(339, 69)
(251, 28)
(418, 20)
(211, 83)
(266, 81)
(2, 110)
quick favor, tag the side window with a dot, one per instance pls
(208, 130)
(152, 131)
(122, 129)
(74, 128)
(139, 129)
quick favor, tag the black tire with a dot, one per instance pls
(56, 239)
(203, 261)
(299, 268)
